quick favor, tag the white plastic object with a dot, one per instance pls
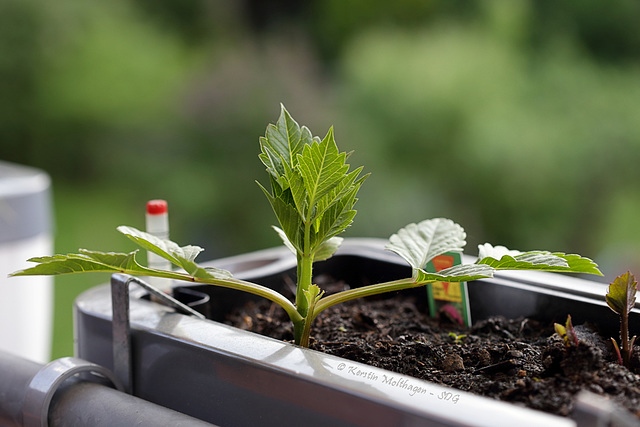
(26, 302)
(157, 224)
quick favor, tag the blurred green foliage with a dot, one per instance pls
(506, 138)
(518, 119)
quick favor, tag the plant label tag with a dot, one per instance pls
(445, 298)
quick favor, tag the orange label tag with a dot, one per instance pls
(448, 299)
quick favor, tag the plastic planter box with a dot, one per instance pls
(232, 377)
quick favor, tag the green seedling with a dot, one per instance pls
(621, 298)
(457, 339)
(313, 193)
(567, 333)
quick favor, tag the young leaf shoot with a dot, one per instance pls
(567, 333)
(621, 298)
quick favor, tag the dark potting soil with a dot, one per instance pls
(515, 360)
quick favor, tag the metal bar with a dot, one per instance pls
(47, 380)
(15, 374)
(89, 404)
(78, 402)
(165, 298)
(121, 331)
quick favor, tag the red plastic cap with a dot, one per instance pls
(157, 207)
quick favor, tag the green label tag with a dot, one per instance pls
(449, 299)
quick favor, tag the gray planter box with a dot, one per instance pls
(231, 377)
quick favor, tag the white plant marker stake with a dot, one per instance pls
(157, 224)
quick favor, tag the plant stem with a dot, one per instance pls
(624, 336)
(305, 264)
(249, 287)
(364, 291)
(305, 273)
(306, 331)
(299, 332)
(304, 336)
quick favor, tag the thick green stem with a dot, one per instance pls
(364, 291)
(306, 330)
(305, 266)
(313, 295)
(305, 272)
(304, 281)
(298, 332)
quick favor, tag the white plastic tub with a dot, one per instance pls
(26, 303)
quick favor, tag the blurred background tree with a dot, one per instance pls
(520, 120)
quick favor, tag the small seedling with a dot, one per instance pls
(621, 298)
(457, 339)
(567, 333)
(312, 193)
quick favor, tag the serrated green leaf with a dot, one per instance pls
(287, 216)
(110, 262)
(274, 163)
(117, 260)
(322, 167)
(337, 217)
(184, 257)
(313, 294)
(334, 212)
(333, 223)
(345, 190)
(502, 258)
(420, 243)
(313, 192)
(298, 192)
(282, 143)
(328, 248)
(579, 264)
(457, 273)
(196, 270)
(160, 247)
(285, 239)
(218, 273)
(513, 260)
(487, 250)
(87, 261)
(621, 295)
